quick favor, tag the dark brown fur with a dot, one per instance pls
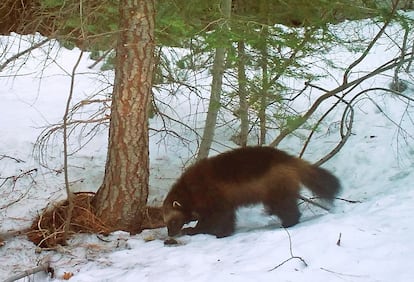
(211, 190)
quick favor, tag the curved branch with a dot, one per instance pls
(371, 44)
(346, 86)
(316, 126)
(349, 108)
(344, 136)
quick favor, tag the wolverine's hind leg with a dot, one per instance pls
(282, 202)
(287, 211)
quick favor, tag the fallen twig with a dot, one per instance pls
(343, 274)
(338, 243)
(312, 202)
(348, 201)
(43, 267)
(291, 255)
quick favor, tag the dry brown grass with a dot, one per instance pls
(47, 229)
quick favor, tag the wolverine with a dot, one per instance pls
(211, 190)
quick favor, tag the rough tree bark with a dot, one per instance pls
(122, 197)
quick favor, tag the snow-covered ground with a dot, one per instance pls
(375, 168)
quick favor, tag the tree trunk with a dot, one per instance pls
(265, 88)
(215, 96)
(244, 106)
(122, 197)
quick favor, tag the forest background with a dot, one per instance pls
(260, 56)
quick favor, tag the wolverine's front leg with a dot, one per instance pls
(201, 227)
(219, 223)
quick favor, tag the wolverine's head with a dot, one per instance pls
(174, 216)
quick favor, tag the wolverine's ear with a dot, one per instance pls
(176, 205)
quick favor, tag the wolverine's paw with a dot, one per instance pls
(223, 234)
(170, 242)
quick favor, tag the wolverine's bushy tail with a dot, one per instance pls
(321, 182)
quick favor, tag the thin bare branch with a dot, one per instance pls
(65, 149)
(371, 44)
(14, 179)
(12, 158)
(18, 55)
